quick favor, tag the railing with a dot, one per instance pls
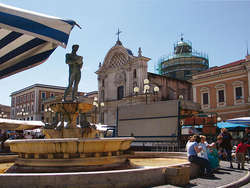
(165, 147)
(193, 53)
(164, 58)
(165, 65)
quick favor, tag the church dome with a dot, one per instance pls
(183, 62)
(183, 47)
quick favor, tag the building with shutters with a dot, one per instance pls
(27, 103)
(224, 89)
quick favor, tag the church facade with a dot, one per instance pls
(123, 79)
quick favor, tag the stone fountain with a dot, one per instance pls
(72, 156)
(70, 148)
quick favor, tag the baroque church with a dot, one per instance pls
(123, 79)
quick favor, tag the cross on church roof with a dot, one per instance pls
(118, 33)
(118, 42)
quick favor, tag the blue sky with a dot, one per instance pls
(219, 28)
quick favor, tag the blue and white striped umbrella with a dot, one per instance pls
(241, 120)
(27, 38)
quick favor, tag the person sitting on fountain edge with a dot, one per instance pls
(192, 152)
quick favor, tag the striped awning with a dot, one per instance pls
(27, 38)
(241, 120)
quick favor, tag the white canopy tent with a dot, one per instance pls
(27, 38)
(10, 124)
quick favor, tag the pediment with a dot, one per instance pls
(117, 57)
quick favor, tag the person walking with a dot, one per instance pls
(246, 137)
(241, 152)
(226, 144)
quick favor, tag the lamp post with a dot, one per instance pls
(146, 89)
(101, 117)
(219, 119)
(97, 104)
(48, 109)
(156, 91)
(22, 113)
(136, 91)
(2, 115)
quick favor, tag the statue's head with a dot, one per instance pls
(75, 47)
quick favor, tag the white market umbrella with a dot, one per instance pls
(10, 124)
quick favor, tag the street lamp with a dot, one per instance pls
(156, 91)
(101, 115)
(97, 104)
(102, 104)
(136, 90)
(2, 115)
(219, 119)
(146, 89)
(181, 97)
(48, 109)
(22, 113)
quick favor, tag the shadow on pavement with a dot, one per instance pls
(189, 185)
(231, 169)
(220, 172)
(210, 178)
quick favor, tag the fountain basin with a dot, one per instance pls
(70, 151)
(124, 178)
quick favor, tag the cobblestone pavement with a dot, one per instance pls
(224, 176)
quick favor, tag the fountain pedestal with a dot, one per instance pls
(70, 111)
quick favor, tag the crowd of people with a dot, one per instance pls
(208, 156)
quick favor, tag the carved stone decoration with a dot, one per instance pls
(117, 55)
(118, 60)
(120, 78)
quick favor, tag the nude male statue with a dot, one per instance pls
(75, 64)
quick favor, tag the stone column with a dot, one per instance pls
(36, 104)
(194, 94)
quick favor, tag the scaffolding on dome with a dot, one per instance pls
(183, 55)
